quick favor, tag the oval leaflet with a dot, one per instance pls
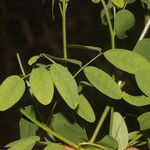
(103, 82)
(42, 85)
(11, 90)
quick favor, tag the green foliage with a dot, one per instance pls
(65, 84)
(96, 1)
(109, 141)
(61, 132)
(120, 131)
(42, 85)
(33, 59)
(27, 128)
(73, 61)
(136, 100)
(11, 90)
(144, 121)
(142, 47)
(142, 79)
(85, 47)
(54, 147)
(126, 60)
(70, 130)
(23, 144)
(118, 3)
(129, 1)
(124, 20)
(85, 110)
(103, 82)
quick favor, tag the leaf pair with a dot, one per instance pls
(42, 85)
(67, 87)
(133, 63)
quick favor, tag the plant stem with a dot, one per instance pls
(111, 120)
(64, 8)
(145, 30)
(101, 120)
(94, 145)
(44, 127)
(44, 55)
(112, 35)
(20, 64)
(86, 64)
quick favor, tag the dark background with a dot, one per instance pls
(27, 28)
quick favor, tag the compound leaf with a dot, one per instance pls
(103, 82)
(11, 90)
(42, 85)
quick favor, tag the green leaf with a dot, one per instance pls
(65, 84)
(142, 47)
(54, 146)
(92, 148)
(143, 80)
(136, 100)
(129, 1)
(109, 141)
(120, 131)
(23, 144)
(123, 21)
(28, 128)
(118, 3)
(42, 85)
(53, 5)
(32, 60)
(69, 130)
(126, 60)
(85, 110)
(135, 135)
(73, 61)
(146, 1)
(11, 90)
(78, 46)
(109, 6)
(96, 1)
(144, 121)
(103, 82)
